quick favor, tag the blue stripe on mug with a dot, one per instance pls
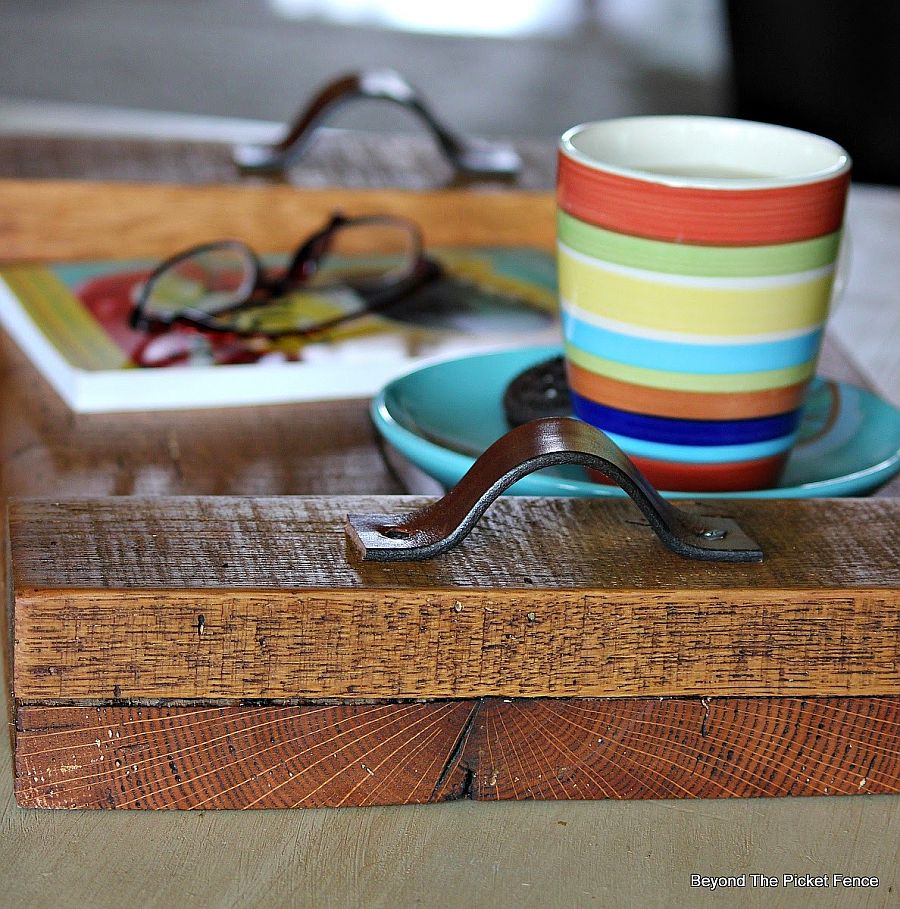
(691, 358)
(685, 432)
(697, 454)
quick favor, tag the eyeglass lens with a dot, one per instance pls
(361, 258)
(209, 280)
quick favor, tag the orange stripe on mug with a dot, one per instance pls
(684, 405)
(700, 215)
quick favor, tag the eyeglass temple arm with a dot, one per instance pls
(468, 157)
(306, 259)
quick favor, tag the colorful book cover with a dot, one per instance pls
(72, 320)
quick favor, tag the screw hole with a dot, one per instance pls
(713, 534)
(395, 533)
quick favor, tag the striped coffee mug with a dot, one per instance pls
(696, 260)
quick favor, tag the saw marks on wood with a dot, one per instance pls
(298, 542)
(113, 645)
(260, 756)
(230, 598)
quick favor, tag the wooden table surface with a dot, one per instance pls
(617, 854)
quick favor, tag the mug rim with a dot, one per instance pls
(841, 164)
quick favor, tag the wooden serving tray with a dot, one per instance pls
(234, 652)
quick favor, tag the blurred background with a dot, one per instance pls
(517, 68)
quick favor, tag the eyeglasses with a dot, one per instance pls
(350, 267)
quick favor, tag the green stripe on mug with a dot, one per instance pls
(684, 381)
(685, 259)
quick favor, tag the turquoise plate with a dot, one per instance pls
(441, 417)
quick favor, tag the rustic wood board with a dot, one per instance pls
(99, 220)
(256, 756)
(231, 598)
(338, 157)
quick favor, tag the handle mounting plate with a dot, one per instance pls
(551, 441)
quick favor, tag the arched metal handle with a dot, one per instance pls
(470, 158)
(532, 446)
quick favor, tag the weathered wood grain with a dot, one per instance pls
(298, 542)
(225, 757)
(254, 598)
(100, 644)
(96, 220)
(326, 447)
(339, 157)
(684, 748)
(400, 753)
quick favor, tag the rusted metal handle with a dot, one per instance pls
(532, 446)
(469, 157)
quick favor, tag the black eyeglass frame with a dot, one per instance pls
(260, 289)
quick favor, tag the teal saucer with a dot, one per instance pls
(441, 417)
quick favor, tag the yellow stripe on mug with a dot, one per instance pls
(700, 305)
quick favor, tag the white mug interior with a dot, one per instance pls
(705, 152)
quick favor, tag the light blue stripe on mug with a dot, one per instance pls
(690, 358)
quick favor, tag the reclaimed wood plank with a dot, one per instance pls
(235, 757)
(46, 449)
(684, 748)
(259, 598)
(81, 645)
(522, 542)
(256, 756)
(98, 220)
(338, 157)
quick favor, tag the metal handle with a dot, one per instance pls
(532, 446)
(470, 158)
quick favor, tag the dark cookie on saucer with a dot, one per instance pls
(540, 391)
